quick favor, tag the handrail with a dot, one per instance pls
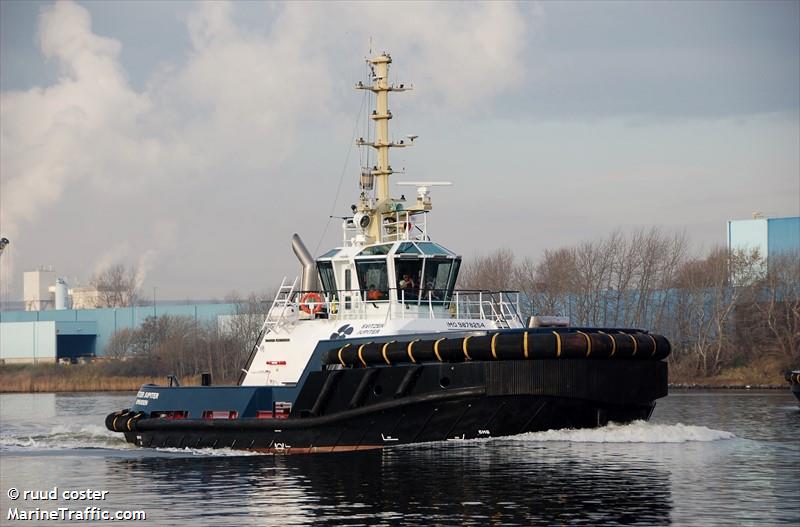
(402, 227)
(502, 307)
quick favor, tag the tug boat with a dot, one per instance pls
(373, 346)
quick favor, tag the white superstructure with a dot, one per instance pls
(387, 278)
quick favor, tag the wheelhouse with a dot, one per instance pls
(406, 272)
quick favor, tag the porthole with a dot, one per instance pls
(444, 382)
(377, 390)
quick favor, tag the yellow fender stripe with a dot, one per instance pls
(525, 344)
(654, 344)
(494, 351)
(132, 419)
(558, 343)
(340, 354)
(613, 344)
(436, 349)
(464, 347)
(588, 343)
(114, 422)
(408, 350)
(360, 351)
(635, 344)
(383, 352)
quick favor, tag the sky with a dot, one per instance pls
(193, 139)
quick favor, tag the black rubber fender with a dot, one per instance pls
(116, 419)
(591, 344)
(130, 424)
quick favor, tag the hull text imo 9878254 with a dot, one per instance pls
(373, 347)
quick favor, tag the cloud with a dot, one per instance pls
(54, 136)
(462, 53)
(144, 265)
(236, 108)
(116, 254)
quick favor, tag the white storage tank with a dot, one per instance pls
(61, 294)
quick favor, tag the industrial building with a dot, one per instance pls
(771, 236)
(71, 334)
(42, 290)
(59, 323)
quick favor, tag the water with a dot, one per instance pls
(706, 458)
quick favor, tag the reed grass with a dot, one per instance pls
(762, 371)
(104, 376)
(72, 378)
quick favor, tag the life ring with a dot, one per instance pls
(311, 299)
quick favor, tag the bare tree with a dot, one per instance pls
(554, 281)
(244, 326)
(494, 272)
(619, 280)
(708, 298)
(120, 346)
(116, 286)
(525, 281)
(777, 300)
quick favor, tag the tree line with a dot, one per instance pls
(182, 346)
(719, 308)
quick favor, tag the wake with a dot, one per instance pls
(635, 432)
(61, 438)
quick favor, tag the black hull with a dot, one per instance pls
(369, 408)
(463, 417)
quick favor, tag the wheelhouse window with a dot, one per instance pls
(328, 279)
(409, 272)
(451, 285)
(376, 250)
(434, 249)
(373, 278)
(407, 248)
(439, 278)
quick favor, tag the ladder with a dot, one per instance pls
(276, 316)
(510, 309)
(502, 311)
(498, 315)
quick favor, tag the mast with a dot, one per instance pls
(373, 210)
(381, 116)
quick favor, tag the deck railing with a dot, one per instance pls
(399, 226)
(502, 307)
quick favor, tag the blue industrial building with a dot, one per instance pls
(771, 236)
(52, 335)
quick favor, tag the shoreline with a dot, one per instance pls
(726, 386)
(127, 384)
(109, 377)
